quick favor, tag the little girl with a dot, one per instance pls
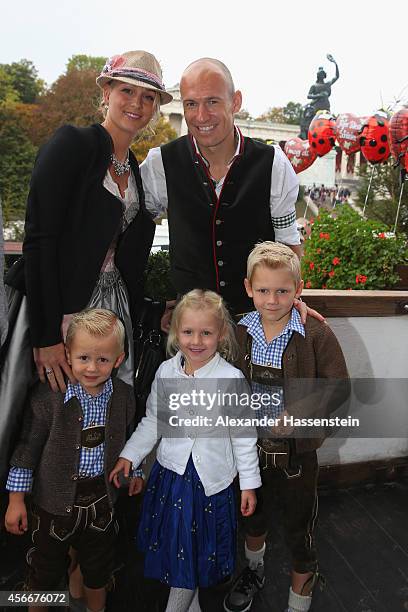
(188, 523)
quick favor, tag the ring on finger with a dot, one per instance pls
(49, 371)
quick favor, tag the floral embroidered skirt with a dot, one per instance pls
(189, 539)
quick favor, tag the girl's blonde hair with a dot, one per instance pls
(199, 299)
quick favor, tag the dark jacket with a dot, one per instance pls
(317, 362)
(71, 221)
(211, 237)
(50, 443)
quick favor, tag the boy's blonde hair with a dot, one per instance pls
(274, 255)
(198, 299)
(97, 322)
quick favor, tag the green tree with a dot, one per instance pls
(384, 194)
(7, 92)
(85, 62)
(73, 98)
(17, 155)
(23, 77)
(291, 113)
(273, 114)
(162, 133)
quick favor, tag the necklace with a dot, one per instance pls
(118, 166)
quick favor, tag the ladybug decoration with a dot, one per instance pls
(348, 129)
(374, 142)
(299, 153)
(398, 133)
(321, 133)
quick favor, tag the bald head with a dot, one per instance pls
(205, 66)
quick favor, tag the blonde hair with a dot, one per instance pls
(97, 322)
(199, 299)
(274, 255)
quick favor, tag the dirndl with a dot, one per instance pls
(189, 539)
(17, 368)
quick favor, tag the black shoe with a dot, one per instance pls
(248, 583)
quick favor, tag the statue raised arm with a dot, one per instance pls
(319, 94)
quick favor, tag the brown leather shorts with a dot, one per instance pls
(91, 529)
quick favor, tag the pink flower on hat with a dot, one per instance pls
(114, 62)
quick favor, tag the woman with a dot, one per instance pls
(88, 234)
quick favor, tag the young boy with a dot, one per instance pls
(277, 347)
(71, 442)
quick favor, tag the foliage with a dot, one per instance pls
(17, 155)
(161, 133)
(348, 252)
(291, 113)
(73, 98)
(243, 114)
(7, 92)
(86, 62)
(23, 77)
(157, 284)
(383, 198)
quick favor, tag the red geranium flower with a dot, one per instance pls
(381, 235)
(336, 261)
(331, 273)
(361, 278)
(311, 265)
(308, 284)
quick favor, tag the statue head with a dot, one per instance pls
(321, 75)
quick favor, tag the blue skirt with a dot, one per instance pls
(189, 539)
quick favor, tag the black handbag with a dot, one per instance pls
(149, 351)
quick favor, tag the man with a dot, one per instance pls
(222, 192)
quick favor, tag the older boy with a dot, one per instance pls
(72, 441)
(278, 347)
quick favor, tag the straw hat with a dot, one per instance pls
(136, 68)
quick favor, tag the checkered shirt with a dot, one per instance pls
(91, 462)
(270, 354)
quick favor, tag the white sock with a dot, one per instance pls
(255, 557)
(179, 600)
(298, 603)
(195, 606)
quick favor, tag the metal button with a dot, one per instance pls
(269, 363)
(78, 446)
(222, 283)
(218, 222)
(219, 242)
(80, 419)
(205, 184)
(68, 509)
(220, 262)
(74, 477)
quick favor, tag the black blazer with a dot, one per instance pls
(71, 221)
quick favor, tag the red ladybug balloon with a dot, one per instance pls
(321, 133)
(299, 153)
(348, 129)
(374, 142)
(398, 133)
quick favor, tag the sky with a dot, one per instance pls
(273, 49)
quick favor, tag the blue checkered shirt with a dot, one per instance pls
(270, 354)
(91, 462)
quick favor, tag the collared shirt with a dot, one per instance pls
(91, 462)
(284, 190)
(270, 354)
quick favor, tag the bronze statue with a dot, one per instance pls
(319, 93)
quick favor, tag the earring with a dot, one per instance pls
(106, 107)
